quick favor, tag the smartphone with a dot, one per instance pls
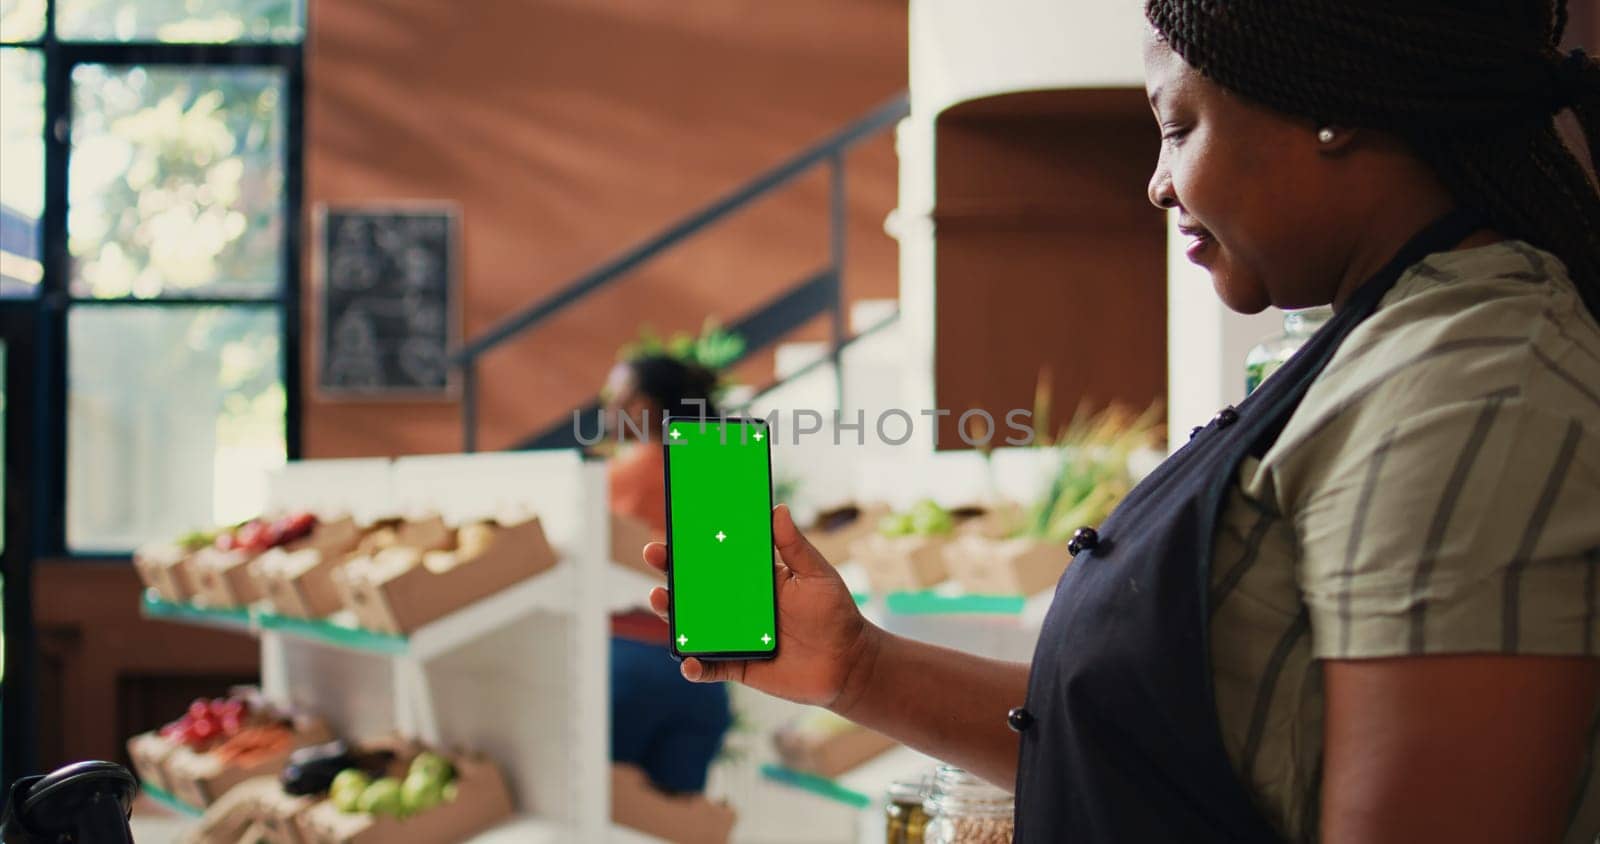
(722, 585)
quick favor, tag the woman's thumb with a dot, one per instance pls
(793, 547)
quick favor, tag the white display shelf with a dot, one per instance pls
(864, 786)
(628, 588)
(549, 591)
(518, 676)
(532, 830)
(526, 829)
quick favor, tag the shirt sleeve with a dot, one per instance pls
(1468, 528)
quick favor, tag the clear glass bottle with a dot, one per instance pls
(963, 809)
(905, 819)
(1273, 352)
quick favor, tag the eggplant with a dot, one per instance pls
(312, 769)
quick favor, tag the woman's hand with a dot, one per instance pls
(825, 645)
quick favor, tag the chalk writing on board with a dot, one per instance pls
(389, 282)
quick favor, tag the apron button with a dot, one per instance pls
(1019, 719)
(1225, 417)
(1083, 539)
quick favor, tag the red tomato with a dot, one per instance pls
(297, 525)
(252, 537)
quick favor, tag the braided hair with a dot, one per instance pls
(677, 386)
(1471, 85)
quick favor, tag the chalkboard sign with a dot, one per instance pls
(388, 301)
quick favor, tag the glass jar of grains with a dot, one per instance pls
(963, 809)
(905, 818)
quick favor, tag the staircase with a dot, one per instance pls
(807, 375)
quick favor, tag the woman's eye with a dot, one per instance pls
(1171, 134)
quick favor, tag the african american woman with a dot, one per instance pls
(1362, 605)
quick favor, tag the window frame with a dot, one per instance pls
(52, 303)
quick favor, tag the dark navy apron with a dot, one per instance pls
(1120, 737)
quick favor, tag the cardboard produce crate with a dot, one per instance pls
(425, 534)
(410, 538)
(482, 801)
(985, 566)
(149, 752)
(403, 589)
(681, 819)
(830, 751)
(628, 537)
(165, 569)
(225, 578)
(902, 563)
(222, 578)
(278, 812)
(994, 520)
(297, 580)
(200, 779)
(835, 532)
(231, 817)
(278, 815)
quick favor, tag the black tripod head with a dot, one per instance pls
(82, 803)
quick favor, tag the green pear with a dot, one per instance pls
(421, 792)
(347, 788)
(382, 798)
(434, 766)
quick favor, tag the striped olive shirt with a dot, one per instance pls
(1437, 492)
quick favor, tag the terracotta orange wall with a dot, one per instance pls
(1050, 260)
(567, 130)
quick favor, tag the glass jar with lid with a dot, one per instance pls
(1273, 352)
(904, 817)
(963, 809)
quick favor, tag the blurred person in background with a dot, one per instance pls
(671, 728)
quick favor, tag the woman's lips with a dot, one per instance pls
(1200, 243)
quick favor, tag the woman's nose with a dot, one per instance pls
(1160, 189)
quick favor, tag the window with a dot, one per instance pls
(149, 206)
(22, 157)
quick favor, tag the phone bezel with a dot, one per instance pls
(672, 607)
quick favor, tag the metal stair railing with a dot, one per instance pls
(760, 328)
(820, 292)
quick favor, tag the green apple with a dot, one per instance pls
(421, 792)
(931, 522)
(450, 792)
(433, 766)
(895, 524)
(382, 798)
(347, 787)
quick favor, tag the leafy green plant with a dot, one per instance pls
(1093, 473)
(713, 348)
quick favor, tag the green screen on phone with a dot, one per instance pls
(719, 535)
